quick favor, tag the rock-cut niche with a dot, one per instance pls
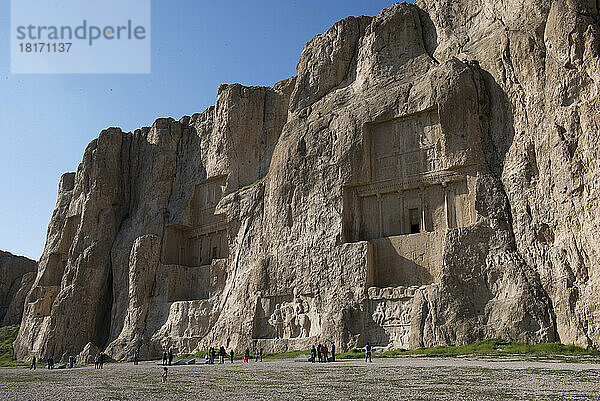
(410, 200)
(190, 247)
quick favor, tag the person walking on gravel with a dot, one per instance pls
(164, 376)
(332, 352)
(231, 355)
(246, 355)
(368, 353)
(32, 366)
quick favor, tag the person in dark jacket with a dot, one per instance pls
(368, 353)
(222, 354)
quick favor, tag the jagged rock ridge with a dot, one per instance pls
(429, 177)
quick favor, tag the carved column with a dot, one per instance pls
(401, 201)
(356, 208)
(446, 210)
(422, 200)
(451, 209)
(379, 204)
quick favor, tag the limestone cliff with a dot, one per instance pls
(16, 277)
(429, 177)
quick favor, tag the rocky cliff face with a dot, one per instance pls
(429, 177)
(16, 277)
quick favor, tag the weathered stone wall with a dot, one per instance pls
(16, 277)
(429, 177)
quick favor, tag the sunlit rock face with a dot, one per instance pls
(429, 177)
(16, 276)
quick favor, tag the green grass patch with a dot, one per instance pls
(285, 355)
(352, 354)
(7, 337)
(494, 346)
(255, 183)
(491, 347)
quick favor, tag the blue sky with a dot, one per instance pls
(46, 121)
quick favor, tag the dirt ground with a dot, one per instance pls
(413, 378)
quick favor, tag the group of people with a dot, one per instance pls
(50, 363)
(320, 353)
(258, 355)
(99, 360)
(167, 358)
(212, 353)
(221, 353)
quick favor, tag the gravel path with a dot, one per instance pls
(385, 379)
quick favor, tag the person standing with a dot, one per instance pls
(368, 353)
(332, 352)
(222, 353)
(32, 366)
(170, 355)
(325, 351)
(164, 376)
(246, 355)
(213, 355)
(136, 355)
(320, 352)
(164, 360)
(256, 355)
(97, 361)
(313, 353)
(261, 352)
(101, 360)
(231, 355)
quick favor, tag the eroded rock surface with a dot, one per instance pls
(429, 177)
(16, 277)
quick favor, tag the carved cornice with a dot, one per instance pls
(416, 181)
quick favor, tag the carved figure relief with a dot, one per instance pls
(387, 322)
(276, 320)
(285, 317)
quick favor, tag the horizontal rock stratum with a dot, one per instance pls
(430, 177)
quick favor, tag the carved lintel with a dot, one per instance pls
(413, 182)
